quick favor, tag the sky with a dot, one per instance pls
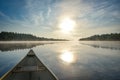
(68, 19)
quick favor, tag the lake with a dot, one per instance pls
(69, 60)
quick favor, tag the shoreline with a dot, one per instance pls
(2, 42)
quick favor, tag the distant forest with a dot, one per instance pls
(103, 37)
(11, 36)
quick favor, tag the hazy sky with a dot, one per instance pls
(70, 19)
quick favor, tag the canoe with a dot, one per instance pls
(30, 68)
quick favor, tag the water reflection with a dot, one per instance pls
(75, 61)
(104, 46)
(20, 45)
(67, 56)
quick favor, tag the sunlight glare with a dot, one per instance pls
(67, 25)
(67, 57)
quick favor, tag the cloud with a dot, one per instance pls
(73, 8)
(42, 17)
(40, 13)
(94, 16)
(49, 11)
(3, 15)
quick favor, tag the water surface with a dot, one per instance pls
(84, 60)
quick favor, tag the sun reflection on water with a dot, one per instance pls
(67, 56)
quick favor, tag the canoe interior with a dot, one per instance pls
(30, 68)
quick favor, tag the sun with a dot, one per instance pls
(67, 25)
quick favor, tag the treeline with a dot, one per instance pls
(11, 36)
(103, 37)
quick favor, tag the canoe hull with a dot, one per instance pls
(30, 68)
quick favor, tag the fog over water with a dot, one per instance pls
(80, 60)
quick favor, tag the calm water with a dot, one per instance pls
(83, 60)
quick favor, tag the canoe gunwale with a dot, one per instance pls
(6, 74)
(12, 69)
